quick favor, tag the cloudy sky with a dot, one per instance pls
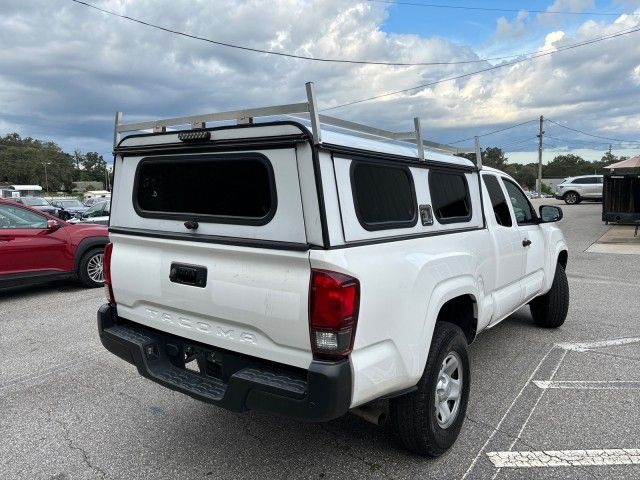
(65, 68)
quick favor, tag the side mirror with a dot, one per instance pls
(53, 225)
(550, 213)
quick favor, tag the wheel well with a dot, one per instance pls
(570, 191)
(563, 257)
(461, 311)
(88, 244)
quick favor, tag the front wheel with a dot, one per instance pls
(90, 270)
(550, 310)
(428, 420)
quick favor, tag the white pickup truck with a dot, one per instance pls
(308, 268)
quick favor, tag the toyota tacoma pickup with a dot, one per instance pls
(308, 268)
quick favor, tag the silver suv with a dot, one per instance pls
(575, 189)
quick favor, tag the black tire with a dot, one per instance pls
(64, 216)
(571, 198)
(413, 416)
(86, 268)
(550, 310)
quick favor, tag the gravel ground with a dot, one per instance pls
(69, 409)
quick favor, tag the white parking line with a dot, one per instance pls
(506, 414)
(584, 346)
(588, 384)
(565, 458)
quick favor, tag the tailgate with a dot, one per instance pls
(254, 301)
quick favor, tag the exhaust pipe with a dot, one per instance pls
(371, 413)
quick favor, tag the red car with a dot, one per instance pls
(37, 247)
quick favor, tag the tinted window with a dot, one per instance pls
(384, 196)
(16, 217)
(498, 201)
(225, 189)
(521, 207)
(450, 197)
(586, 180)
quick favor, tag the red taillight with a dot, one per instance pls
(333, 313)
(106, 270)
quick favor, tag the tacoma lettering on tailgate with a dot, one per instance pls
(201, 326)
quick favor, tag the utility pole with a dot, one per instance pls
(539, 180)
(46, 178)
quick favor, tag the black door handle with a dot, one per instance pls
(526, 242)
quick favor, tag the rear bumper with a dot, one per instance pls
(230, 380)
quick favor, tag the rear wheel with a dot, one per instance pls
(90, 270)
(571, 198)
(428, 420)
(550, 310)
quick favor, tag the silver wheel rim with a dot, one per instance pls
(94, 268)
(448, 390)
(571, 198)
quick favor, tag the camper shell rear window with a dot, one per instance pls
(229, 188)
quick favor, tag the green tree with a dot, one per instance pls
(31, 161)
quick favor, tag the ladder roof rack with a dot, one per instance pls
(308, 108)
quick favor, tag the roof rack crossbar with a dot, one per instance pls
(309, 108)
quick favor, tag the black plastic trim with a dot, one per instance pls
(305, 134)
(32, 278)
(399, 238)
(377, 226)
(206, 218)
(353, 153)
(85, 245)
(320, 393)
(196, 237)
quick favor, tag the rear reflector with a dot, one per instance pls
(333, 313)
(106, 269)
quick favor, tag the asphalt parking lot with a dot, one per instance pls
(69, 409)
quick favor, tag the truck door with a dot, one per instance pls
(531, 237)
(507, 289)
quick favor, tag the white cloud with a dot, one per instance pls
(66, 69)
(576, 6)
(513, 29)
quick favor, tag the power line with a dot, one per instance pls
(517, 142)
(494, 67)
(491, 9)
(280, 54)
(590, 134)
(592, 142)
(303, 57)
(494, 131)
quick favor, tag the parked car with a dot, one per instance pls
(98, 213)
(38, 247)
(309, 278)
(68, 209)
(90, 202)
(573, 190)
(38, 203)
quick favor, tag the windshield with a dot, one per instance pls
(36, 202)
(97, 207)
(71, 204)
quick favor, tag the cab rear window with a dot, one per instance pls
(230, 188)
